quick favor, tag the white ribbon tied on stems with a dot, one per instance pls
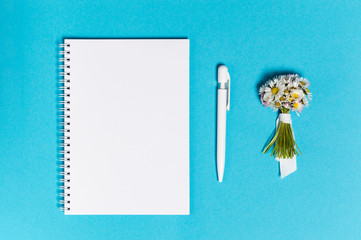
(287, 165)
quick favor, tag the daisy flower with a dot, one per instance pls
(283, 98)
(298, 107)
(274, 90)
(285, 93)
(304, 83)
(308, 93)
(285, 79)
(297, 94)
(262, 89)
(287, 105)
(275, 106)
(305, 101)
(265, 103)
(293, 84)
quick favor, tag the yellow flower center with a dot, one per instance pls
(294, 95)
(303, 83)
(278, 104)
(290, 99)
(286, 91)
(274, 90)
(307, 90)
(295, 105)
(282, 98)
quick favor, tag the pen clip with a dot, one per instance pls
(228, 92)
(224, 81)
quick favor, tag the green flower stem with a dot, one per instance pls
(272, 141)
(284, 142)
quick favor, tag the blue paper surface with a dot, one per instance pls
(321, 40)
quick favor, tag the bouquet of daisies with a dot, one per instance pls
(285, 93)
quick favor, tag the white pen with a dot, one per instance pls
(223, 101)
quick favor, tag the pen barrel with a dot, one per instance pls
(221, 131)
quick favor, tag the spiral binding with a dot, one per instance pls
(64, 126)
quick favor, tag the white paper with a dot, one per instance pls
(129, 126)
(287, 165)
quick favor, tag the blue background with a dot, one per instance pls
(321, 40)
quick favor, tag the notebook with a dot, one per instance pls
(125, 135)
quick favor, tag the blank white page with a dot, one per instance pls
(129, 115)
